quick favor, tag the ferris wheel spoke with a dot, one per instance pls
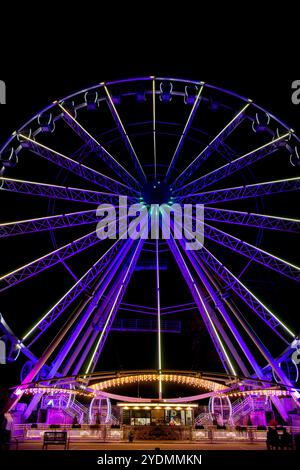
(233, 166)
(243, 192)
(129, 269)
(48, 260)
(137, 165)
(254, 253)
(54, 191)
(80, 286)
(185, 131)
(251, 220)
(73, 166)
(234, 283)
(205, 314)
(41, 224)
(211, 147)
(99, 150)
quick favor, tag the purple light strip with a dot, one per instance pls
(113, 311)
(90, 336)
(47, 354)
(80, 286)
(102, 286)
(232, 282)
(243, 192)
(49, 260)
(41, 224)
(185, 131)
(254, 253)
(58, 192)
(75, 167)
(99, 150)
(251, 219)
(124, 134)
(211, 147)
(201, 306)
(219, 305)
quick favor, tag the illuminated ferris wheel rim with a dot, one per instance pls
(29, 138)
(199, 83)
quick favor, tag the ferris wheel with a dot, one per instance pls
(161, 141)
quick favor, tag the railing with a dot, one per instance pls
(202, 419)
(76, 410)
(108, 433)
(240, 408)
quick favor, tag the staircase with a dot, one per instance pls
(203, 419)
(240, 408)
(76, 410)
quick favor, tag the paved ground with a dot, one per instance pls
(151, 445)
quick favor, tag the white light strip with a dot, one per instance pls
(154, 125)
(217, 136)
(94, 140)
(186, 125)
(123, 128)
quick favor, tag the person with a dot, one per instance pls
(297, 442)
(272, 439)
(5, 432)
(286, 440)
(75, 420)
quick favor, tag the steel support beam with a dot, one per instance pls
(231, 167)
(75, 167)
(99, 150)
(53, 191)
(250, 220)
(211, 147)
(243, 192)
(252, 252)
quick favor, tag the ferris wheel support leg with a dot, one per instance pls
(46, 355)
(208, 283)
(92, 332)
(227, 319)
(268, 357)
(69, 343)
(201, 307)
(233, 283)
(113, 311)
(101, 288)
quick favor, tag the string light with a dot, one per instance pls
(175, 378)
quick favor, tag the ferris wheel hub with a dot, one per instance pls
(157, 192)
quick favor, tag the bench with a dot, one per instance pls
(55, 438)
